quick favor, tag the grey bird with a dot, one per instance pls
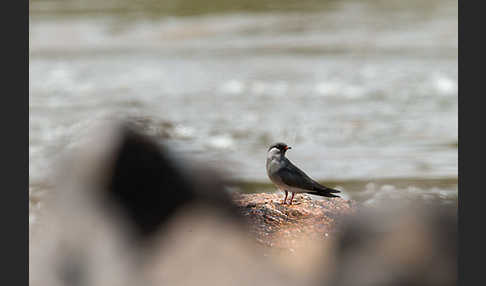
(288, 178)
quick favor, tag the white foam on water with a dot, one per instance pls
(338, 89)
(184, 132)
(445, 85)
(387, 193)
(221, 142)
(233, 87)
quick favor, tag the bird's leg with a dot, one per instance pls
(286, 194)
(292, 197)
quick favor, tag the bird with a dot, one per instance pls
(289, 178)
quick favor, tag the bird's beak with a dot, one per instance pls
(287, 148)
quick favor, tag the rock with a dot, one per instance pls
(123, 206)
(282, 226)
(398, 244)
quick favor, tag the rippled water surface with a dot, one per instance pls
(361, 90)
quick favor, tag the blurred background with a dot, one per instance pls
(364, 91)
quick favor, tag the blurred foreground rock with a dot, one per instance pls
(400, 244)
(126, 212)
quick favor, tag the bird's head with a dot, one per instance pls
(279, 148)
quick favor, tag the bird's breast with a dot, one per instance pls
(273, 165)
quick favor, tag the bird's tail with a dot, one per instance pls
(325, 191)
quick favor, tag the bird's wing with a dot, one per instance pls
(292, 176)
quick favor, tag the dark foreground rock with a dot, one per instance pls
(282, 226)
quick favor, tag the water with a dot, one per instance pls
(362, 91)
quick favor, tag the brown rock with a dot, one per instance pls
(282, 226)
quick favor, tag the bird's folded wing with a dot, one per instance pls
(294, 177)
